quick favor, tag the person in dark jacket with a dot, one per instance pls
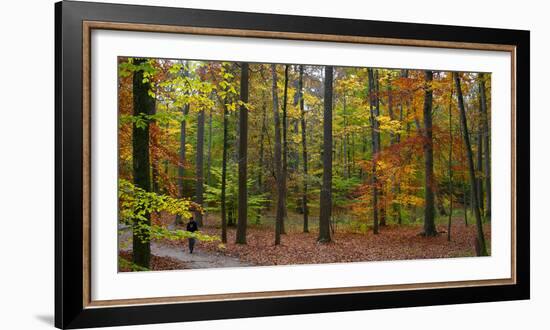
(192, 227)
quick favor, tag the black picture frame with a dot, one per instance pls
(70, 311)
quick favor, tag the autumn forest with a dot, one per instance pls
(283, 164)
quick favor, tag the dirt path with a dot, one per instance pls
(198, 259)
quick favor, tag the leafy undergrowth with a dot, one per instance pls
(157, 263)
(393, 243)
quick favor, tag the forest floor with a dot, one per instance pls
(167, 256)
(395, 242)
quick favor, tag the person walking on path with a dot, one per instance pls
(192, 227)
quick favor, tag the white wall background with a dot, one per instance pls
(27, 163)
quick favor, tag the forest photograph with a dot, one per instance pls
(241, 164)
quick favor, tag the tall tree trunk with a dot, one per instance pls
(144, 105)
(224, 176)
(304, 149)
(450, 164)
(429, 184)
(364, 143)
(326, 188)
(209, 158)
(243, 161)
(379, 148)
(464, 201)
(344, 137)
(285, 145)
(209, 152)
(486, 145)
(352, 156)
(182, 156)
(166, 142)
(199, 188)
(154, 155)
(394, 138)
(479, 164)
(261, 162)
(403, 99)
(481, 249)
(277, 161)
(375, 136)
(224, 172)
(390, 110)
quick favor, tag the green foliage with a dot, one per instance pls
(135, 204)
(127, 68)
(183, 88)
(342, 189)
(256, 202)
(187, 89)
(142, 119)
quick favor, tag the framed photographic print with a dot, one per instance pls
(239, 164)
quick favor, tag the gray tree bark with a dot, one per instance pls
(429, 183)
(486, 144)
(375, 137)
(277, 161)
(143, 105)
(303, 123)
(243, 161)
(450, 166)
(326, 188)
(199, 188)
(382, 201)
(182, 154)
(224, 172)
(285, 146)
(481, 249)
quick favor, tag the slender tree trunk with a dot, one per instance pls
(277, 161)
(209, 152)
(464, 201)
(165, 162)
(364, 143)
(144, 105)
(285, 146)
(199, 188)
(344, 137)
(481, 249)
(182, 159)
(304, 149)
(404, 74)
(208, 159)
(394, 138)
(243, 161)
(479, 164)
(295, 152)
(473, 195)
(352, 156)
(326, 188)
(154, 155)
(450, 164)
(429, 184)
(375, 136)
(182, 156)
(261, 162)
(382, 199)
(390, 110)
(486, 145)
(224, 174)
